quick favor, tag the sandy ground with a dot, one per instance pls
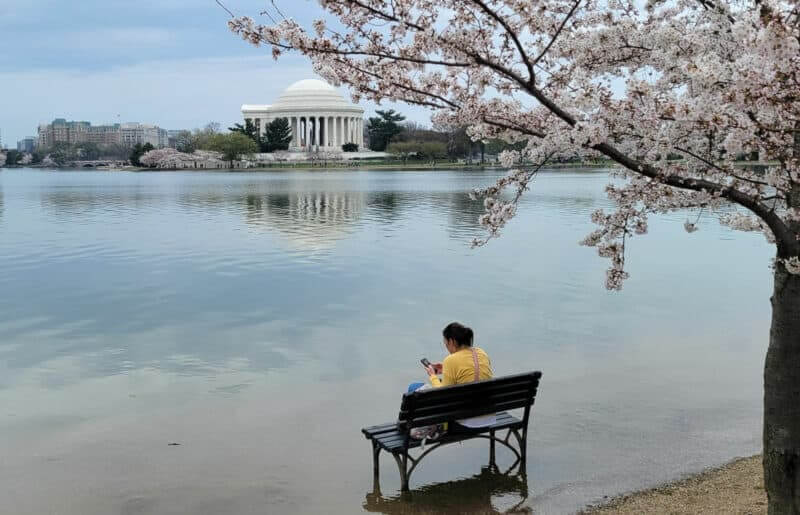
(737, 487)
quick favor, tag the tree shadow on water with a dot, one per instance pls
(490, 492)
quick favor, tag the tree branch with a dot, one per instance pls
(558, 32)
(499, 19)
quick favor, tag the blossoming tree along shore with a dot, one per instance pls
(637, 82)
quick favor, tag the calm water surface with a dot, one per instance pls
(261, 319)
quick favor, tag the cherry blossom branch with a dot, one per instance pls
(513, 35)
(713, 165)
(557, 33)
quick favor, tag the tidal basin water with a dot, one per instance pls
(260, 320)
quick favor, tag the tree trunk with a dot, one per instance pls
(782, 397)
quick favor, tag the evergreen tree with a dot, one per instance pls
(138, 151)
(278, 135)
(382, 128)
(13, 157)
(249, 130)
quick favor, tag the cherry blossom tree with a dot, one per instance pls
(672, 91)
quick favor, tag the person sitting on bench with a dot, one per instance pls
(464, 364)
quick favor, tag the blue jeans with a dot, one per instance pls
(415, 386)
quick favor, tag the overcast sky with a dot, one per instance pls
(169, 62)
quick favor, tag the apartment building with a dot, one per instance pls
(128, 134)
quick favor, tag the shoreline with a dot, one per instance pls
(735, 487)
(319, 167)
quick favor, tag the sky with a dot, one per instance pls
(169, 62)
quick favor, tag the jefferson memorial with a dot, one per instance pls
(319, 116)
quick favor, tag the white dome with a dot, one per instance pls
(311, 85)
(319, 116)
(312, 94)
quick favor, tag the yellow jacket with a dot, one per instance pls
(459, 368)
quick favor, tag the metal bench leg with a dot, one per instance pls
(523, 446)
(376, 471)
(491, 449)
(402, 466)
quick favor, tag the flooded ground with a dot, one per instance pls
(259, 320)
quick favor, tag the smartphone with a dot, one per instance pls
(425, 362)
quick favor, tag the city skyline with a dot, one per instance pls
(172, 63)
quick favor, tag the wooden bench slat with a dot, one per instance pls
(459, 414)
(396, 440)
(502, 418)
(374, 430)
(444, 393)
(453, 404)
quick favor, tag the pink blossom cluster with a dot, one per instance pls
(674, 93)
(172, 158)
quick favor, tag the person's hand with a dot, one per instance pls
(431, 370)
(437, 367)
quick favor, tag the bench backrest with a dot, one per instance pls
(449, 403)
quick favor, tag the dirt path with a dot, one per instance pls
(736, 488)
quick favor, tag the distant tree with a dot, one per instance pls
(433, 151)
(87, 151)
(404, 149)
(249, 129)
(350, 147)
(203, 139)
(36, 158)
(184, 142)
(13, 157)
(496, 146)
(138, 151)
(382, 128)
(61, 153)
(459, 144)
(233, 146)
(115, 151)
(278, 135)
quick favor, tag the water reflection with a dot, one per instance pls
(490, 492)
(388, 205)
(310, 220)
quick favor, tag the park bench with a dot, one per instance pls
(451, 403)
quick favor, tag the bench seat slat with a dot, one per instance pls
(466, 413)
(395, 439)
(380, 431)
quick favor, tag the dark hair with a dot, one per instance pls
(462, 335)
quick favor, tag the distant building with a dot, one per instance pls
(62, 131)
(104, 134)
(27, 144)
(133, 133)
(319, 116)
(127, 134)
